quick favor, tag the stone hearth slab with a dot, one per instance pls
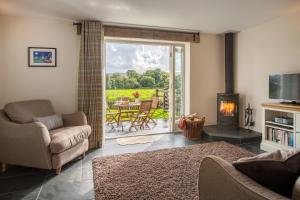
(240, 135)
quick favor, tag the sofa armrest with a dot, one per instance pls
(75, 119)
(24, 144)
(296, 190)
(218, 179)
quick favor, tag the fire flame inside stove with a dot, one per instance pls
(227, 108)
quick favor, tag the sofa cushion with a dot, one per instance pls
(278, 155)
(67, 137)
(51, 122)
(24, 111)
(279, 176)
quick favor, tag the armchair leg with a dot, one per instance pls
(58, 170)
(3, 167)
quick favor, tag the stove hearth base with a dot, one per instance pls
(239, 136)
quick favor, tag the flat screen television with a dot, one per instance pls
(285, 87)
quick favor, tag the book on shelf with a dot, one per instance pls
(279, 136)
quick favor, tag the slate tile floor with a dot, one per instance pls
(76, 179)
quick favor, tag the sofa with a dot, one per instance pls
(219, 179)
(26, 142)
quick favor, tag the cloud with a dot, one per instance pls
(121, 57)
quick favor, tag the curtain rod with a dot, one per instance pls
(79, 25)
(150, 27)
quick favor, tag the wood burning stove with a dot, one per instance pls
(228, 102)
(228, 111)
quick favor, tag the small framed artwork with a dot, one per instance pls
(41, 57)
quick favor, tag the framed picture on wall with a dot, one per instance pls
(41, 57)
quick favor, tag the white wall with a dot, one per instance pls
(20, 82)
(207, 75)
(270, 48)
(1, 60)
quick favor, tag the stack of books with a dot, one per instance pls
(280, 136)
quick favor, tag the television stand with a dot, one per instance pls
(278, 135)
(290, 102)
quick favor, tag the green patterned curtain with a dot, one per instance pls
(90, 79)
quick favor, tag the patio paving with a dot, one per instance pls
(162, 126)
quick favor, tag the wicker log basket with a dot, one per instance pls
(192, 126)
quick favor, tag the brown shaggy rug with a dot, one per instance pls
(162, 174)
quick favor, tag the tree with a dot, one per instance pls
(133, 74)
(147, 82)
(156, 74)
(132, 80)
(164, 83)
(178, 81)
(119, 82)
(131, 83)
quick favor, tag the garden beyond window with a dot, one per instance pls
(136, 72)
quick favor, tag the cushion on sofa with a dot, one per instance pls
(51, 122)
(279, 176)
(67, 137)
(278, 155)
(24, 111)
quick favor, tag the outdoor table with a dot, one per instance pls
(125, 108)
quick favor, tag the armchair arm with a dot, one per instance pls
(24, 144)
(75, 119)
(218, 179)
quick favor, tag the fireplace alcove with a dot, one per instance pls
(227, 128)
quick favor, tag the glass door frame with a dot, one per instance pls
(173, 123)
(172, 111)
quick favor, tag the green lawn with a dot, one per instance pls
(114, 95)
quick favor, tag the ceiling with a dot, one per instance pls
(211, 16)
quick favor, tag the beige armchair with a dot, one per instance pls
(27, 143)
(218, 179)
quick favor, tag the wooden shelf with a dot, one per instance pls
(278, 145)
(280, 128)
(279, 124)
(272, 110)
(287, 107)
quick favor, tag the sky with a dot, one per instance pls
(121, 57)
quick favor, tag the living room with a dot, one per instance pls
(240, 86)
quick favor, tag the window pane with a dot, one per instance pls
(179, 81)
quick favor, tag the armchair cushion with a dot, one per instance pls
(24, 111)
(68, 137)
(51, 122)
(74, 119)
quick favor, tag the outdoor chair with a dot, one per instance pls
(111, 117)
(139, 119)
(154, 106)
